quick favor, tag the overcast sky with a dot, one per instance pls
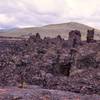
(26, 13)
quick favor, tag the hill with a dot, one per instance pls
(51, 30)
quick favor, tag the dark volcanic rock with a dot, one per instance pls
(90, 36)
(74, 38)
(42, 94)
(52, 63)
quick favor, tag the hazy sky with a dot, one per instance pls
(26, 13)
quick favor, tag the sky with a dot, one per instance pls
(34, 13)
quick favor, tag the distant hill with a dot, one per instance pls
(52, 30)
(7, 30)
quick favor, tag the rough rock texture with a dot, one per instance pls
(36, 93)
(90, 36)
(74, 38)
(51, 64)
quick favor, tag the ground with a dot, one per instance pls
(37, 93)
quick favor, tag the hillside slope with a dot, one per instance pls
(52, 30)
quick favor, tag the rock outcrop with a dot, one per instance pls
(52, 63)
(90, 36)
(74, 38)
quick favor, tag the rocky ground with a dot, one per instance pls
(36, 93)
(49, 69)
